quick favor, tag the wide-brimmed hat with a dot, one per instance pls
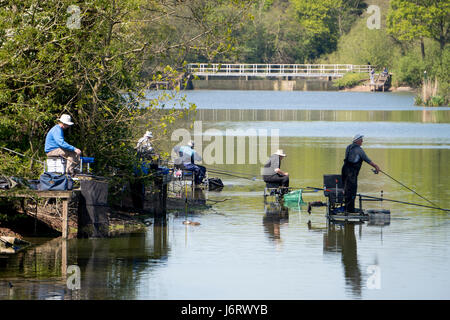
(280, 152)
(357, 137)
(148, 134)
(66, 119)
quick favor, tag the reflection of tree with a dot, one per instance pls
(275, 215)
(341, 238)
(111, 268)
(28, 270)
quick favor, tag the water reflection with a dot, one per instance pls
(109, 268)
(340, 237)
(275, 216)
(220, 115)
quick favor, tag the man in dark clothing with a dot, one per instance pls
(354, 157)
(272, 172)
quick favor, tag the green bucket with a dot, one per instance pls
(294, 197)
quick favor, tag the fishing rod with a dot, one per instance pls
(232, 175)
(21, 154)
(382, 199)
(7, 244)
(227, 171)
(403, 202)
(407, 187)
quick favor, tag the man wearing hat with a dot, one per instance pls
(56, 146)
(272, 172)
(144, 146)
(187, 157)
(354, 157)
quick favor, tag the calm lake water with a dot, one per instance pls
(245, 249)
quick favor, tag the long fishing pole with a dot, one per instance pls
(404, 202)
(232, 175)
(408, 188)
(21, 154)
(382, 199)
(227, 171)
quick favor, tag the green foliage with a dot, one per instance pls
(294, 31)
(350, 80)
(409, 20)
(405, 43)
(363, 45)
(437, 101)
(409, 70)
(100, 72)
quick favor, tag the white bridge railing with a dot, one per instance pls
(275, 70)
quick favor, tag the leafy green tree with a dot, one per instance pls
(324, 21)
(96, 60)
(414, 20)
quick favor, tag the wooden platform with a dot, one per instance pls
(36, 195)
(381, 83)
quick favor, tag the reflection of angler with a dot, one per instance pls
(350, 259)
(276, 215)
(343, 240)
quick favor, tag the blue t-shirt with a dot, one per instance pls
(186, 155)
(55, 140)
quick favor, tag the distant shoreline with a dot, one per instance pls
(363, 88)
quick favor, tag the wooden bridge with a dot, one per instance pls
(275, 70)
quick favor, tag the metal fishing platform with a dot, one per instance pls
(275, 191)
(334, 193)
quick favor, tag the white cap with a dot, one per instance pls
(280, 152)
(66, 119)
(191, 143)
(357, 137)
(148, 134)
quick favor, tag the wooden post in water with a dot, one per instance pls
(65, 218)
(64, 258)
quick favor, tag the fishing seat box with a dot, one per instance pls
(56, 165)
(329, 185)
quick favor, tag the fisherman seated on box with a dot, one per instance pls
(272, 172)
(144, 146)
(354, 157)
(187, 157)
(55, 146)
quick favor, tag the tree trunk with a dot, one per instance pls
(422, 48)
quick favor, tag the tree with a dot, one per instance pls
(324, 21)
(87, 59)
(414, 20)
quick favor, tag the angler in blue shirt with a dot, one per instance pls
(187, 158)
(56, 146)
